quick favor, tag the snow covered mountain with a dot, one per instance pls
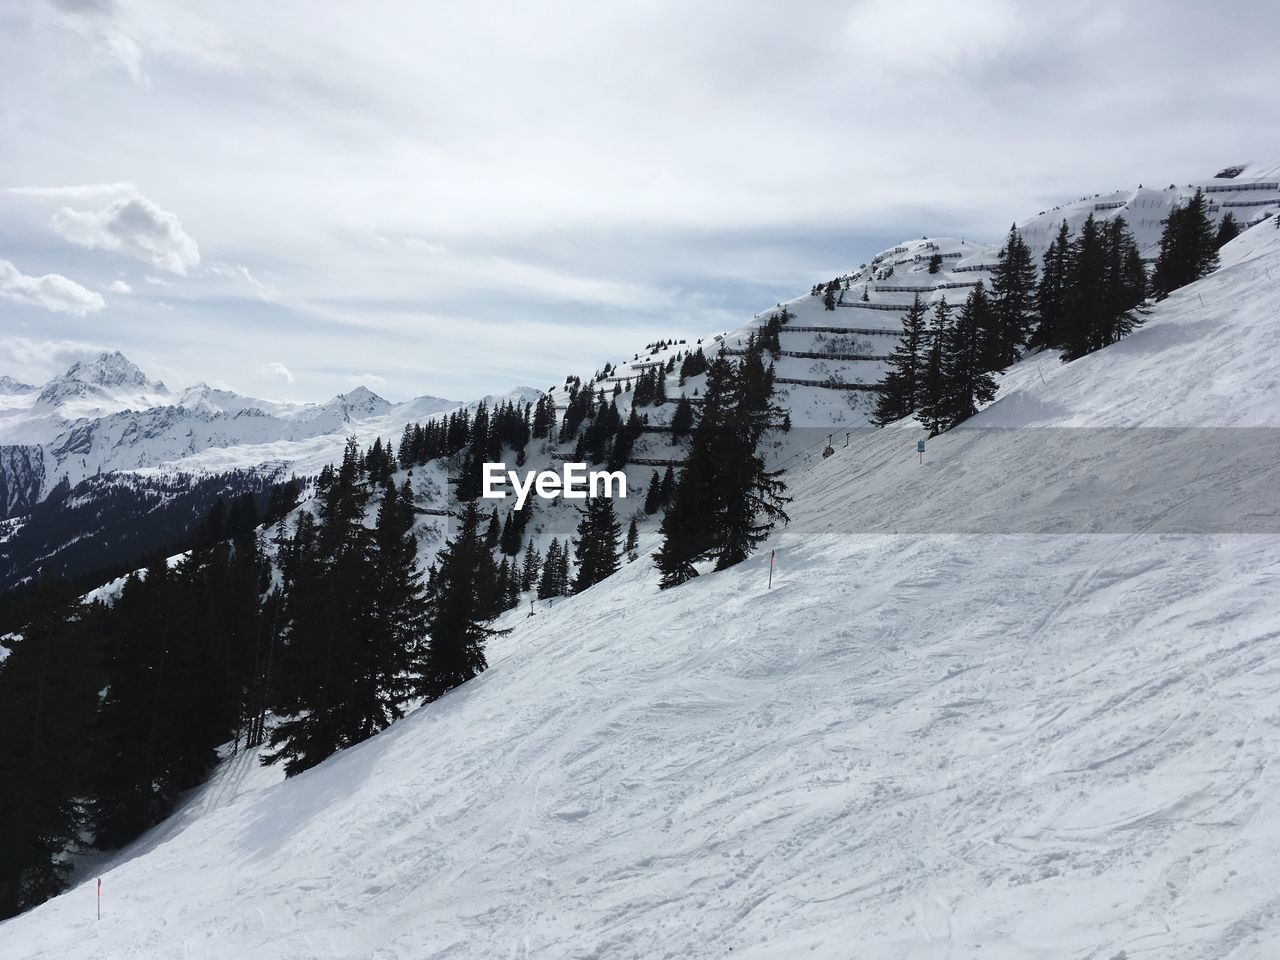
(1015, 699)
(105, 415)
(108, 384)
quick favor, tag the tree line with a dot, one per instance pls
(307, 631)
(1086, 296)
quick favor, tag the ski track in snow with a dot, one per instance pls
(914, 747)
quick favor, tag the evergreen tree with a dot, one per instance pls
(1052, 295)
(964, 382)
(1228, 230)
(458, 617)
(1086, 298)
(725, 501)
(396, 615)
(667, 488)
(530, 569)
(682, 419)
(1188, 247)
(1125, 285)
(493, 531)
(1013, 290)
(931, 385)
(596, 549)
(632, 545)
(48, 698)
(548, 586)
(512, 534)
(332, 694)
(653, 496)
(901, 388)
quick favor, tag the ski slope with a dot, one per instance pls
(1057, 740)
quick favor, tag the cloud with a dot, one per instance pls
(86, 8)
(552, 168)
(119, 286)
(73, 192)
(419, 245)
(241, 275)
(40, 360)
(275, 370)
(134, 226)
(52, 291)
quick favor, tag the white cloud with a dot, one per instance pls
(119, 286)
(39, 360)
(73, 192)
(158, 281)
(378, 172)
(419, 245)
(52, 291)
(275, 370)
(134, 226)
(241, 275)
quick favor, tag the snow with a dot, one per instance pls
(1053, 741)
(106, 415)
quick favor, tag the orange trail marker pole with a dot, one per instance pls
(99, 898)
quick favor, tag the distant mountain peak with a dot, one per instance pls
(8, 385)
(108, 373)
(361, 395)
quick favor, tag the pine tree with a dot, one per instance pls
(493, 531)
(633, 542)
(725, 501)
(1124, 285)
(1052, 293)
(1086, 301)
(530, 569)
(396, 614)
(1188, 247)
(596, 549)
(547, 584)
(458, 616)
(682, 419)
(1228, 230)
(666, 489)
(48, 697)
(328, 697)
(512, 534)
(1013, 290)
(931, 399)
(653, 496)
(901, 388)
(964, 382)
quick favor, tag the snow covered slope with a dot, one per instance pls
(1045, 744)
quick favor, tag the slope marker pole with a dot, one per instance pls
(771, 553)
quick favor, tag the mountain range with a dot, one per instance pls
(1013, 696)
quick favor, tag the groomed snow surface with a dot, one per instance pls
(914, 746)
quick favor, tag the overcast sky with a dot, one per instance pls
(290, 198)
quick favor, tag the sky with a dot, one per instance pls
(292, 198)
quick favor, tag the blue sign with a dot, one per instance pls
(919, 446)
